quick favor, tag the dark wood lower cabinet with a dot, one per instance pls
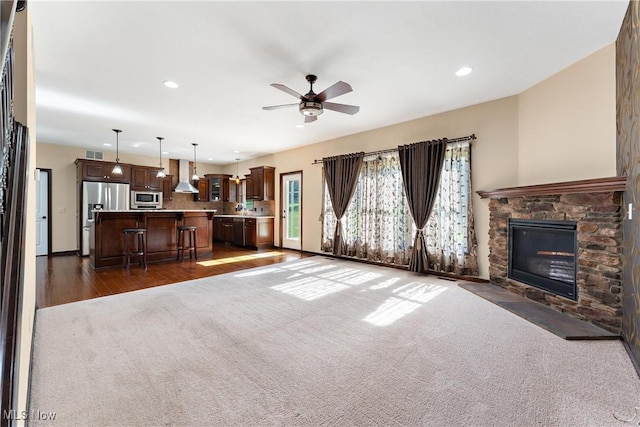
(251, 232)
(107, 239)
(238, 231)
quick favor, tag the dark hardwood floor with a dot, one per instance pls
(64, 279)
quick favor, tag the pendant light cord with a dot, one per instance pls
(195, 162)
(160, 140)
(117, 131)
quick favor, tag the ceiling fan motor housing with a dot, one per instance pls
(310, 108)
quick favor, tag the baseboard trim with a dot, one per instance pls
(63, 253)
(635, 362)
(402, 267)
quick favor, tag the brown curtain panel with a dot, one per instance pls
(341, 174)
(421, 164)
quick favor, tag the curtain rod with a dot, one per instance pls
(471, 137)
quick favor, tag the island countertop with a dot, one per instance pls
(107, 243)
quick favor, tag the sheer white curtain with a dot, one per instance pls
(450, 233)
(378, 226)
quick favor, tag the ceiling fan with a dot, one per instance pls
(311, 105)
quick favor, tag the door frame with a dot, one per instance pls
(49, 173)
(280, 218)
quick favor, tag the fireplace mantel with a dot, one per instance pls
(598, 185)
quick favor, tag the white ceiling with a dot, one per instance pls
(100, 65)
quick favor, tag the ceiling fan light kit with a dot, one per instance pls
(312, 105)
(310, 108)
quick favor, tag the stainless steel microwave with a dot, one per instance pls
(146, 200)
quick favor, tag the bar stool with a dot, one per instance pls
(191, 231)
(140, 243)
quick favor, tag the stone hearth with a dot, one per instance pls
(595, 205)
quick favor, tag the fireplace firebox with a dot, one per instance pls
(543, 254)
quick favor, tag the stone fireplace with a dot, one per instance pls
(594, 209)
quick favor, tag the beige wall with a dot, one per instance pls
(568, 123)
(25, 113)
(494, 157)
(60, 159)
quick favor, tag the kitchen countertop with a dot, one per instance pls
(156, 210)
(185, 210)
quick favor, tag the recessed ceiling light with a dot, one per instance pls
(236, 151)
(299, 126)
(464, 71)
(106, 144)
(169, 83)
(165, 152)
(210, 158)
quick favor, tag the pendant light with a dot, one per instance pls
(237, 176)
(117, 169)
(160, 173)
(195, 176)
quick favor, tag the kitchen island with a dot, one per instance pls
(106, 245)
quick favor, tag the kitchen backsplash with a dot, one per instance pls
(185, 201)
(182, 201)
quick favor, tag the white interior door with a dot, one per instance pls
(291, 211)
(42, 209)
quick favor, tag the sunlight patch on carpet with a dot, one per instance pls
(420, 292)
(310, 288)
(385, 284)
(351, 276)
(409, 298)
(390, 311)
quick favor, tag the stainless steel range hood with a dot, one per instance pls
(183, 179)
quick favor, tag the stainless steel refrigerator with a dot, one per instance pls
(105, 196)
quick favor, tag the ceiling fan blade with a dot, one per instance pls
(337, 89)
(309, 119)
(341, 108)
(276, 107)
(286, 89)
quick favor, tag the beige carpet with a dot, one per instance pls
(318, 342)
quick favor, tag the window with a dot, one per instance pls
(379, 227)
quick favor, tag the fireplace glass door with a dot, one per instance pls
(543, 254)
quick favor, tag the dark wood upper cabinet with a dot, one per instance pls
(261, 185)
(144, 178)
(203, 190)
(248, 186)
(218, 187)
(213, 187)
(98, 170)
(235, 190)
(167, 188)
